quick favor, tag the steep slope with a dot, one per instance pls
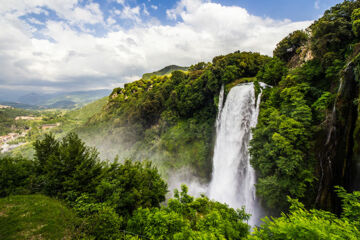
(169, 119)
(306, 141)
(87, 111)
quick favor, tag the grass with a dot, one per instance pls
(87, 111)
(35, 217)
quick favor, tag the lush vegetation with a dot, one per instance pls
(122, 201)
(305, 142)
(110, 200)
(301, 223)
(296, 111)
(169, 119)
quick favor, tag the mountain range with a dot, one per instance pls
(63, 100)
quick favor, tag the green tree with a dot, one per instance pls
(68, 167)
(189, 218)
(287, 47)
(131, 185)
(355, 17)
(16, 176)
(280, 148)
(334, 31)
(300, 223)
(99, 219)
(350, 206)
(272, 72)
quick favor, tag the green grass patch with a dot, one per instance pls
(36, 217)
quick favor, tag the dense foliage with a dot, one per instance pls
(300, 223)
(290, 45)
(295, 111)
(15, 176)
(67, 168)
(272, 72)
(116, 200)
(169, 119)
(189, 218)
(333, 32)
(100, 214)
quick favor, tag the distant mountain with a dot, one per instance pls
(64, 104)
(34, 98)
(19, 105)
(164, 71)
(66, 100)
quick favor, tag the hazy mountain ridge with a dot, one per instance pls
(64, 100)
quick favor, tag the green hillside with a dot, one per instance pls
(68, 120)
(169, 119)
(164, 71)
(35, 217)
(87, 111)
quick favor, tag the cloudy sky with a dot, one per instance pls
(69, 45)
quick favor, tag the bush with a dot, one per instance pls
(100, 220)
(189, 218)
(16, 176)
(272, 72)
(131, 185)
(300, 223)
(67, 168)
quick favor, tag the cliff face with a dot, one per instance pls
(338, 143)
(355, 163)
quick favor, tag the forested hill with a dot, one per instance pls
(164, 71)
(306, 140)
(170, 119)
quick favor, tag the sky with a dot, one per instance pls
(72, 45)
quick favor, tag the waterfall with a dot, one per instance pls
(233, 178)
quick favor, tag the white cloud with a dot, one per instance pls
(74, 60)
(22, 7)
(145, 11)
(90, 14)
(121, 1)
(154, 7)
(35, 21)
(131, 13)
(317, 4)
(66, 9)
(110, 21)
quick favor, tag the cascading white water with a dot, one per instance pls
(233, 178)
